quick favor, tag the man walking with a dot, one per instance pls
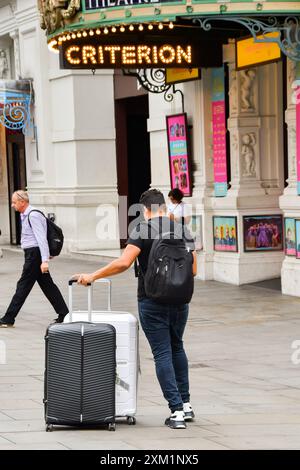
(163, 324)
(36, 266)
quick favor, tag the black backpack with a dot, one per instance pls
(55, 235)
(169, 277)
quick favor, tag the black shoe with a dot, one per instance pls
(176, 420)
(6, 324)
(59, 319)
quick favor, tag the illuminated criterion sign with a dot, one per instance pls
(92, 56)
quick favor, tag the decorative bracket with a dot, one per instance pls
(288, 28)
(154, 81)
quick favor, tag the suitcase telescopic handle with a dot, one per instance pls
(90, 296)
(73, 281)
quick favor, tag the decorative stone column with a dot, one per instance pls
(290, 201)
(256, 156)
(244, 127)
(73, 173)
(198, 105)
(81, 180)
(17, 66)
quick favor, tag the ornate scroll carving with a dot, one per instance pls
(54, 13)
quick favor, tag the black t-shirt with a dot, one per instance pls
(144, 233)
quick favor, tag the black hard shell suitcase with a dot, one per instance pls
(80, 374)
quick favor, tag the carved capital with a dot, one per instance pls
(54, 13)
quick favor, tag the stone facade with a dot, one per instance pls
(71, 160)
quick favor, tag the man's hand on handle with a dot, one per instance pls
(84, 278)
(45, 267)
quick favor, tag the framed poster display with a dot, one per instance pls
(225, 233)
(297, 221)
(290, 236)
(179, 155)
(263, 232)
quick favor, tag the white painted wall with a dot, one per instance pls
(71, 164)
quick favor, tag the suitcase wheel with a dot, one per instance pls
(49, 427)
(131, 420)
(112, 426)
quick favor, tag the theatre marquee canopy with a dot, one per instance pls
(165, 33)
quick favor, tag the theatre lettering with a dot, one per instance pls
(126, 56)
(99, 4)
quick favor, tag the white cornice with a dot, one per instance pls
(10, 21)
(27, 15)
(7, 25)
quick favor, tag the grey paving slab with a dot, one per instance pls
(52, 446)
(19, 404)
(253, 418)
(22, 395)
(29, 425)
(244, 387)
(186, 444)
(5, 417)
(115, 445)
(260, 442)
(27, 414)
(5, 441)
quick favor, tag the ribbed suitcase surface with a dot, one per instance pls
(80, 373)
(127, 354)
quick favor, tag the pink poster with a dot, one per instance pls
(219, 132)
(219, 142)
(178, 153)
(298, 137)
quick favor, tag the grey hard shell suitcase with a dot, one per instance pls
(80, 374)
(127, 340)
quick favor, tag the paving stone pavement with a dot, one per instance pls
(244, 386)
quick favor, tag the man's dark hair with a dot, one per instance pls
(176, 194)
(153, 199)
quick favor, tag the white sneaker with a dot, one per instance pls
(176, 420)
(188, 411)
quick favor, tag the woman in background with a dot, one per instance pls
(177, 209)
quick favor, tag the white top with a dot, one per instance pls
(179, 210)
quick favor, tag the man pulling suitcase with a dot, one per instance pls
(163, 313)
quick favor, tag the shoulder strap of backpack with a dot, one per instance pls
(137, 267)
(35, 210)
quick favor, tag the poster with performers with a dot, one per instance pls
(179, 156)
(219, 132)
(263, 232)
(225, 233)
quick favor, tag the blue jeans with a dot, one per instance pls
(164, 326)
